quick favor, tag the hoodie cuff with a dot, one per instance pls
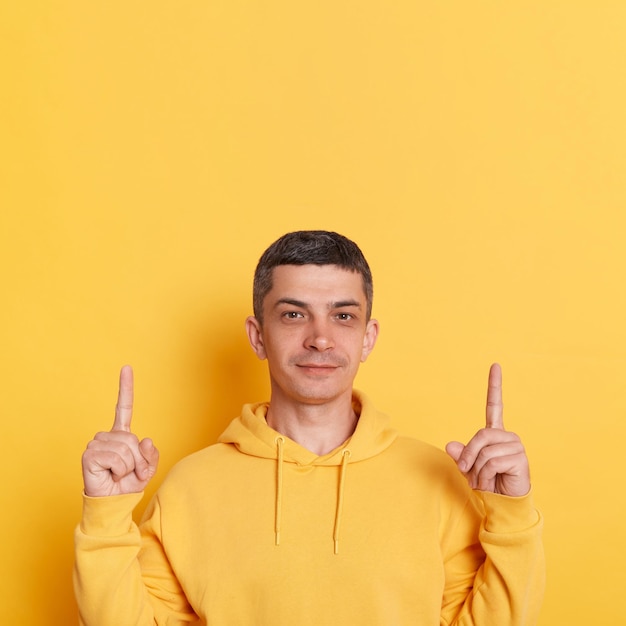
(108, 516)
(506, 514)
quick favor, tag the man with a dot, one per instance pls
(311, 509)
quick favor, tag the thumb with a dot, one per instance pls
(455, 449)
(151, 456)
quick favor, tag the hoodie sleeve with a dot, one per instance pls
(110, 585)
(501, 579)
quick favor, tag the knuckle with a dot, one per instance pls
(123, 437)
(492, 466)
(484, 455)
(130, 439)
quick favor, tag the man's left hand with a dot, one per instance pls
(494, 459)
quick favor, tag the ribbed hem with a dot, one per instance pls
(506, 514)
(108, 516)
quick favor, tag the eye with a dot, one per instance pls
(345, 317)
(292, 315)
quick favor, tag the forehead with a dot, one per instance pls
(316, 282)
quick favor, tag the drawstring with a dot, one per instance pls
(342, 478)
(279, 492)
(279, 489)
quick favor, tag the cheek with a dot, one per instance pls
(278, 349)
(357, 354)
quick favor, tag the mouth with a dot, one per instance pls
(317, 369)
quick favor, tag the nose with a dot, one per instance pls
(319, 337)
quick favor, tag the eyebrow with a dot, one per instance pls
(346, 303)
(340, 304)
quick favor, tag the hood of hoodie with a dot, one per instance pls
(251, 435)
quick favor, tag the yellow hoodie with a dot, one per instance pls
(257, 530)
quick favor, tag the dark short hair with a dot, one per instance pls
(310, 247)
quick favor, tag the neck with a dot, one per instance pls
(320, 428)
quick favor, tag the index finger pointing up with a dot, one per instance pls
(494, 398)
(124, 407)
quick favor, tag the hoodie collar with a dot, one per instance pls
(251, 435)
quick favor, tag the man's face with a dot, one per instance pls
(314, 333)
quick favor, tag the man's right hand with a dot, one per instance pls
(116, 462)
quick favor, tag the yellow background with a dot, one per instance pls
(475, 150)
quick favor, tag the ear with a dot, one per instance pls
(369, 339)
(255, 336)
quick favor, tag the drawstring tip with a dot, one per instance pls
(277, 540)
(336, 546)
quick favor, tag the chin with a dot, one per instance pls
(319, 394)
